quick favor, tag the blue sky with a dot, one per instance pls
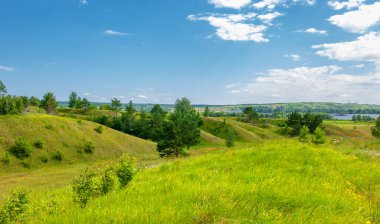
(212, 51)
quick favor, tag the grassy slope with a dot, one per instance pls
(66, 135)
(243, 132)
(282, 181)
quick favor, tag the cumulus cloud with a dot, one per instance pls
(364, 48)
(144, 97)
(358, 21)
(234, 4)
(313, 30)
(325, 83)
(234, 27)
(294, 57)
(114, 33)
(7, 69)
(83, 2)
(350, 4)
(272, 4)
(267, 18)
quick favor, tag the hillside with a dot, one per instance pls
(68, 137)
(279, 182)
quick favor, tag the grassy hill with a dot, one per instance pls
(278, 182)
(65, 136)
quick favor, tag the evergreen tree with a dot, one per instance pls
(73, 99)
(3, 89)
(376, 129)
(158, 116)
(230, 139)
(49, 103)
(295, 121)
(319, 136)
(304, 134)
(206, 112)
(116, 104)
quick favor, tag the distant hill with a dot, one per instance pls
(66, 136)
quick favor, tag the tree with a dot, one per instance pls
(49, 103)
(116, 104)
(34, 101)
(251, 114)
(206, 112)
(158, 116)
(85, 105)
(230, 140)
(128, 118)
(304, 134)
(319, 136)
(312, 121)
(376, 129)
(182, 129)
(295, 121)
(73, 99)
(3, 89)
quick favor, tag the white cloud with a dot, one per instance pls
(267, 18)
(358, 21)
(141, 96)
(83, 2)
(272, 4)
(324, 83)
(114, 33)
(294, 57)
(359, 66)
(234, 4)
(364, 48)
(234, 26)
(350, 4)
(7, 69)
(313, 30)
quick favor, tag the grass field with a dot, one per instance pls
(279, 182)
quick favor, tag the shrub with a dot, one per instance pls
(39, 144)
(44, 159)
(6, 159)
(58, 155)
(88, 147)
(49, 127)
(15, 206)
(26, 164)
(125, 170)
(99, 129)
(304, 135)
(85, 188)
(230, 139)
(319, 136)
(108, 180)
(376, 129)
(22, 148)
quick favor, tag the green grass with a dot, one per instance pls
(67, 136)
(278, 182)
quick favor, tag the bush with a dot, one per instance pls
(15, 206)
(58, 155)
(319, 136)
(304, 135)
(49, 127)
(99, 129)
(22, 148)
(108, 180)
(230, 139)
(376, 129)
(44, 159)
(6, 159)
(39, 144)
(26, 164)
(125, 170)
(85, 188)
(88, 147)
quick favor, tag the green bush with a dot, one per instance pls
(88, 147)
(6, 159)
(58, 156)
(99, 129)
(44, 159)
(304, 135)
(319, 136)
(26, 164)
(22, 148)
(15, 206)
(376, 129)
(230, 139)
(49, 127)
(85, 188)
(39, 144)
(125, 170)
(108, 180)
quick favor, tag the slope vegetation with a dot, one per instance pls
(64, 141)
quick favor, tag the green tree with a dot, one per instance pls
(251, 114)
(49, 103)
(230, 139)
(116, 104)
(73, 99)
(319, 136)
(129, 117)
(304, 134)
(376, 129)
(312, 121)
(34, 101)
(85, 105)
(295, 121)
(206, 113)
(182, 129)
(157, 120)
(3, 89)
